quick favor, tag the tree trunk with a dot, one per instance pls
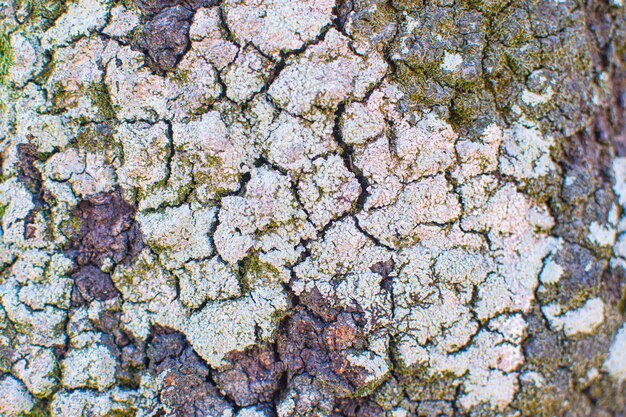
(308, 208)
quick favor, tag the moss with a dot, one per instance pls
(621, 306)
(253, 269)
(61, 98)
(119, 413)
(466, 86)
(459, 115)
(94, 138)
(181, 77)
(6, 57)
(40, 13)
(424, 69)
(136, 35)
(70, 227)
(39, 411)
(369, 388)
(420, 385)
(509, 61)
(126, 3)
(56, 373)
(100, 99)
(470, 4)
(408, 5)
(5, 364)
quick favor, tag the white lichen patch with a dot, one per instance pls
(277, 26)
(232, 325)
(425, 202)
(179, 234)
(250, 412)
(305, 82)
(283, 176)
(81, 18)
(479, 156)
(213, 153)
(451, 62)
(122, 22)
(76, 81)
(376, 363)
(583, 320)
(552, 273)
(15, 400)
(602, 235)
(340, 269)
(98, 176)
(267, 218)
(87, 402)
(535, 99)
(424, 148)
(24, 59)
(194, 86)
(136, 94)
(619, 172)
(412, 150)
(37, 370)
(328, 191)
(247, 75)
(526, 152)
(294, 142)
(490, 363)
(615, 363)
(146, 149)
(202, 281)
(362, 122)
(93, 367)
(206, 35)
(43, 327)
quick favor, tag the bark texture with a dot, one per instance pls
(279, 208)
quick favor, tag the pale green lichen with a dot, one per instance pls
(400, 162)
(6, 57)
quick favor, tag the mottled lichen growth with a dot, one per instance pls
(261, 208)
(6, 57)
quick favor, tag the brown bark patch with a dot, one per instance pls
(107, 230)
(186, 389)
(106, 235)
(152, 7)
(165, 37)
(251, 377)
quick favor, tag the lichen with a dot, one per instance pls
(312, 208)
(6, 57)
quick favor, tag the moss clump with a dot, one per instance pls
(621, 306)
(61, 98)
(459, 115)
(136, 35)
(99, 96)
(181, 77)
(5, 364)
(6, 57)
(125, 413)
(38, 411)
(40, 13)
(97, 138)
(254, 270)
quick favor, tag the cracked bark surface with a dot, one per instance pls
(312, 208)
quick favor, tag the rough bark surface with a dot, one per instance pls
(282, 208)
